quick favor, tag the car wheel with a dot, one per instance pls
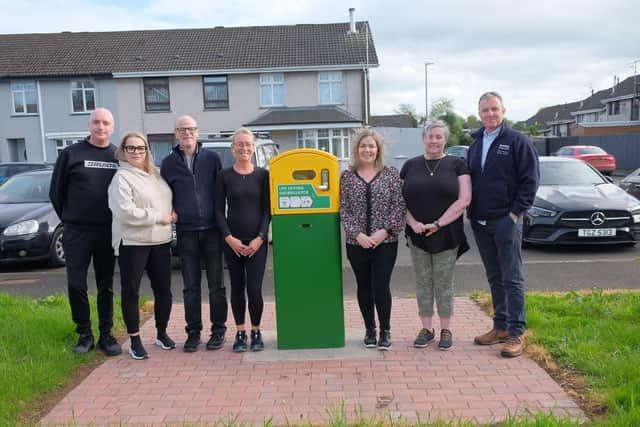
(56, 251)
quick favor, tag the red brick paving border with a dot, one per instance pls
(208, 387)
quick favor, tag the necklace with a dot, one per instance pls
(432, 171)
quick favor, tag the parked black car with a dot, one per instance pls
(7, 170)
(576, 204)
(29, 227)
(631, 183)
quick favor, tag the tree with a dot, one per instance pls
(410, 110)
(443, 109)
(472, 123)
(531, 130)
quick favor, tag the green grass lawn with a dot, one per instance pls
(36, 338)
(598, 335)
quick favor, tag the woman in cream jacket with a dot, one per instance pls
(140, 202)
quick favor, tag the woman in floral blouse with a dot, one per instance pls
(372, 213)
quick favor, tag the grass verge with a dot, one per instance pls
(590, 343)
(36, 361)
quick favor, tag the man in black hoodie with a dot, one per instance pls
(78, 193)
(504, 180)
(191, 173)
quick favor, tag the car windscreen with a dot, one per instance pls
(226, 156)
(591, 150)
(26, 189)
(568, 173)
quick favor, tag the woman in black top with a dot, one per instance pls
(243, 189)
(436, 190)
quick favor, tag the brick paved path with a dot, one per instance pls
(208, 387)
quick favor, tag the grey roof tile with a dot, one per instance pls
(303, 115)
(219, 48)
(391, 120)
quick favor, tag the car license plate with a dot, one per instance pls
(596, 232)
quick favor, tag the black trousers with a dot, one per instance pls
(246, 273)
(372, 268)
(133, 261)
(82, 244)
(194, 246)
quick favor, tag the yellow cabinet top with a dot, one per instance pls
(304, 181)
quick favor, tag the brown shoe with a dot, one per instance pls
(494, 336)
(513, 347)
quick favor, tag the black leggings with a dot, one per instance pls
(133, 261)
(245, 272)
(372, 268)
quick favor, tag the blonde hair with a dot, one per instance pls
(241, 131)
(149, 165)
(360, 135)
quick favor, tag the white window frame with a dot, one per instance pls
(332, 80)
(337, 141)
(84, 90)
(62, 143)
(272, 82)
(22, 95)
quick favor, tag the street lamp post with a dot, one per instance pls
(426, 91)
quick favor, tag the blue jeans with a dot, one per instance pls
(195, 246)
(499, 243)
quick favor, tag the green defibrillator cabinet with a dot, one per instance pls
(307, 262)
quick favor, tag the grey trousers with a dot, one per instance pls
(434, 280)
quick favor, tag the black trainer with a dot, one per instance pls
(192, 342)
(425, 336)
(446, 340)
(370, 340)
(216, 340)
(136, 349)
(240, 345)
(84, 345)
(109, 345)
(384, 343)
(256, 341)
(164, 342)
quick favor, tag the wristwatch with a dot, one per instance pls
(437, 224)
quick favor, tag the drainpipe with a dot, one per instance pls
(41, 120)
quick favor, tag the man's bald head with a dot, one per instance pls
(187, 133)
(100, 127)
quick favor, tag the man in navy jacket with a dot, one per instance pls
(191, 173)
(504, 176)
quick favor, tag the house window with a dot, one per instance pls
(271, 89)
(161, 146)
(330, 88)
(334, 141)
(61, 144)
(156, 94)
(579, 118)
(614, 108)
(25, 97)
(216, 92)
(83, 96)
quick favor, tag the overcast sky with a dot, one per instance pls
(536, 53)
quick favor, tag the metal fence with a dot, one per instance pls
(626, 148)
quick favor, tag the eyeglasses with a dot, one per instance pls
(135, 149)
(185, 130)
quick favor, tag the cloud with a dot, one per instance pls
(536, 53)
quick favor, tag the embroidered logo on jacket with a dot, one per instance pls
(100, 165)
(503, 149)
